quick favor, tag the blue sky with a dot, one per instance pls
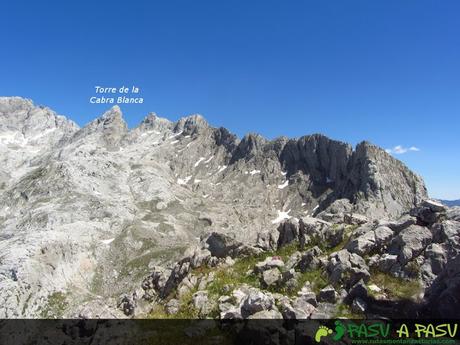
(385, 71)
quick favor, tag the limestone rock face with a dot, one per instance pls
(444, 294)
(377, 176)
(93, 211)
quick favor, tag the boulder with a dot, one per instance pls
(309, 228)
(178, 273)
(437, 257)
(443, 296)
(308, 295)
(202, 303)
(271, 277)
(255, 302)
(302, 308)
(453, 213)
(328, 294)
(347, 268)
(225, 306)
(358, 305)
(127, 304)
(297, 310)
(333, 235)
(399, 224)
(410, 243)
(200, 257)
(355, 219)
(434, 206)
(269, 263)
(172, 307)
(448, 232)
(373, 240)
(335, 212)
(156, 281)
(429, 212)
(240, 294)
(358, 290)
(309, 260)
(363, 244)
(204, 281)
(187, 284)
(293, 260)
(267, 240)
(290, 279)
(386, 262)
(324, 311)
(232, 313)
(221, 245)
(246, 250)
(329, 217)
(288, 232)
(383, 236)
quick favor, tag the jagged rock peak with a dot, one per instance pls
(320, 157)
(111, 120)
(384, 180)
(251, 145)
(9, 105)
(192, 124)
(152, 122)
(21, 115)
(111, 126)
(113, 115)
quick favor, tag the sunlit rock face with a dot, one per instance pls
(85, 213)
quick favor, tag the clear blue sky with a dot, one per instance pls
(386, 71)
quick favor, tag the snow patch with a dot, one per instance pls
(110, 240)
(284, 173)
(209, 159)
(174, 142)
(175, 135)
(196, 181)
(254, 172)
(185, 180)
(221, 168)
(284, 185)
(199, 161)
(281, 216)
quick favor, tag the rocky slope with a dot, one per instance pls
(406, 268)
(87, 213)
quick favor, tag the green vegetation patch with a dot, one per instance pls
(55, 306)
(395, 287)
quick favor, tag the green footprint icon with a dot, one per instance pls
(322, 331)
(339, 330)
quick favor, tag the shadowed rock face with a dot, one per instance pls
(84, 212)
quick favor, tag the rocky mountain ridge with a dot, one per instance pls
(85, 213)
